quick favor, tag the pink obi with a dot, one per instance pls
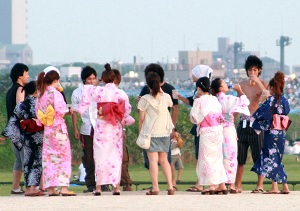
(111, 112)
(281, 122)
(211, 120)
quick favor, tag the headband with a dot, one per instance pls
(201, 71)
(51, 68)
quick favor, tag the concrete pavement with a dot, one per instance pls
(137, 200)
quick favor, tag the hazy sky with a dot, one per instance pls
(155, 30)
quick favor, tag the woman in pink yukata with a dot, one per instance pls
(113, 113)
(56, 154)
(207, 115)
(231, 105)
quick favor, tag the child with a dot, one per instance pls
(176, 145)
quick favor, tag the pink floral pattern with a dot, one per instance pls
(210, 169)
(56, 154)
(108, 138)
(231, 104)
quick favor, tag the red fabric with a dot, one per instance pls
(29, 125)
(111, 112)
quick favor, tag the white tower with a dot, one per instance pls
(13, 21)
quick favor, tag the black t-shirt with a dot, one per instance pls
(167, 88)
(11, 99)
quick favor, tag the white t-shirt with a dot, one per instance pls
(82, 173)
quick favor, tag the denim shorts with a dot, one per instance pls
(160, 144)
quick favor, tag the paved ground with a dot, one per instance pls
(137, 200)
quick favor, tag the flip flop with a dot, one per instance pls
(284, 192)
(270, 192)
(54, 194)
(257, 190)
(208, 192)
(233, 191)
(194, 189)
(69, 193)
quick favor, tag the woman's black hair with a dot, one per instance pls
(153, 82)
(29, 88)
(215, 86)
(203, 83)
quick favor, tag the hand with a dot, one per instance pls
(237, 87)
(76, 134)
(138, 99)
(2, 140)
(254, 78)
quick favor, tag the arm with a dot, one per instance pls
(183, 99)
(174, 114)
(20, 96)
(141, 119)
(74, 121)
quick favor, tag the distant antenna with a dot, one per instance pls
(283, 41)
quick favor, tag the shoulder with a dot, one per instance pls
(167, 87)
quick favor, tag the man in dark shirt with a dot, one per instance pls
(167, 88)
(19, 76)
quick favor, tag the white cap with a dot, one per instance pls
(201, 71)
(50, 68)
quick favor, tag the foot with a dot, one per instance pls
(90, 189)
(271, 192)
(171, 191)
(195, 189)
(127, 188)
(257, 190)
(17, 191)
(152, 192)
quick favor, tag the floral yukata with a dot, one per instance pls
(231, 104)
(31, 139)
(113, 112)
(271, 117)
(207, 114)
(56, 147)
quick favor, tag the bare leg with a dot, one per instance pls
(153, 169)
(173, 174)
(166, 168)
(116, 189)
(274, 187)
(179, 174)
(239, 177)
(17, 174)
(260, 182)
(98, 188)
(285, 187)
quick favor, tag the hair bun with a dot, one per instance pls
(279, 77)
(107, 66)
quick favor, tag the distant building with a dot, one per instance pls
(13, 33)
(296, 70)
(70, 74)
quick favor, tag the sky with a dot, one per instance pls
(102, 31)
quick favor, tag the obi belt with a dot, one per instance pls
(211, 120)
(111, 112)
(281, 122)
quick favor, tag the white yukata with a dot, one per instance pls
(108, 136)
(207, 114)
(231, 104)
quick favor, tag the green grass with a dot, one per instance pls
(139, 173)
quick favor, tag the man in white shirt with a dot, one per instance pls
(88, 76)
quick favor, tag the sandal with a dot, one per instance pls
(54, 194)
(221, 192)
(69, 193)
(270, 192)
(284, 192)
(208, 192)
(257, 190)
(171, 191)
(150, 192)
(233, 191)
(194, 189)
(97, 193)
(117, 193)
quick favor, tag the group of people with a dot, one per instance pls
(37, 128)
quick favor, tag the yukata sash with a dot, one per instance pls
(111, 112)
(281, 122)
(211, 120)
